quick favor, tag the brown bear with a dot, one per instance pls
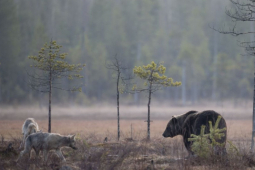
(190, 123)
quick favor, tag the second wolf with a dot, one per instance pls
(46, 142)
(30, 126)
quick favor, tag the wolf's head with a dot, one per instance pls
(71, 142)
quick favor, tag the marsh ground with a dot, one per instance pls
(93, 124)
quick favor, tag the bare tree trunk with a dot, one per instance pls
(50, 88)
(49, 129)
(116, 66)
(149, 119)
(253, 117)
(118, 107)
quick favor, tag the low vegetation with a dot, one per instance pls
(206, 145)
(135, 154)
(130, 153)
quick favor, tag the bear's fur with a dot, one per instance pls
(190, 123)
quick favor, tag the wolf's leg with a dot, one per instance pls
(20, 155)
(45, 155)
(23, 153)
(60, 155)
(23, 142)
(37, 151)
(20, 146)
(27, 149)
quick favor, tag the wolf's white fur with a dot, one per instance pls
(46, 142)
(29, 127)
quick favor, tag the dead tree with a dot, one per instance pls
(243, 11)
(118, 68)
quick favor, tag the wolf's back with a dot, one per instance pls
(36, 139)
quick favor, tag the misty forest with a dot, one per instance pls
(67, 63)
(210, 65)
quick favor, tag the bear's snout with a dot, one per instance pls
(166, 134)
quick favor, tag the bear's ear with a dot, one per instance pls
(174, 120)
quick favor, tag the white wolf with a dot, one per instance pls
(29, 127)
(46, 142)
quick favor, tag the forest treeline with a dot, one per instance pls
(209, 64)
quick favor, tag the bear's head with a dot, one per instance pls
(173, 128)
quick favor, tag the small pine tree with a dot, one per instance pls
(216, 133)
(200, 145)
(232, 149)
(52, 66)
(204, 144)
(155, 79)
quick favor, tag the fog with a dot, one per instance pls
(210, 65)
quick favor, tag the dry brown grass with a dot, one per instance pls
(158, 154)
(92, 125)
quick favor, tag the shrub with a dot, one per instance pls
(204, 144)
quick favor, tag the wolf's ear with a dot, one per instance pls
(72, 137)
